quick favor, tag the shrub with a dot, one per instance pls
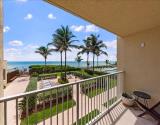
(90, 72)
(63, 80)
(32, 98)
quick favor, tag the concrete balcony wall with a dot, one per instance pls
(139, 56)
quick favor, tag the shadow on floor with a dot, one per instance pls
(122, 115)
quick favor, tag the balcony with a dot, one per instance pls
(91, 101)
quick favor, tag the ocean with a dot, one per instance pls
(26, 64)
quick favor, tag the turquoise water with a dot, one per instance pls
(21, 65)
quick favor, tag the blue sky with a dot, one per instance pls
(29, 24)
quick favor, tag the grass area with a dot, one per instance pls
(98, 91)
(38, 117)
(110, 102)
(94, 92)
(84, 120)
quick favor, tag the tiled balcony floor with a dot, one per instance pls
(122, 115)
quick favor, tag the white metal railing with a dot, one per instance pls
(73, 103)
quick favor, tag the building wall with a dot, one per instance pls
(1, 63)
(141, 64)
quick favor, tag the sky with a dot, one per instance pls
(29, 24)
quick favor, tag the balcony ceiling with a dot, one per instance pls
(122, 17)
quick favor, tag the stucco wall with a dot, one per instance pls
(1, 62)
(141, 64)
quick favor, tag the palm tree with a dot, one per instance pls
(85, 49)
(44, 51)
(57, 48)
(107, 62)
(78, 59)
(64, 37)
(96, 46)
(100, 51)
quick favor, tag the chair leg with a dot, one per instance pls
(142, 114)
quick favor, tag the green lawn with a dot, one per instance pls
(38, 117)
(94, 92)
(84, 120)
(98, 91)
(111, 101)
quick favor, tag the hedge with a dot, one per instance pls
(40, 69)
(91, 72)
(105, 66)
(32, 98)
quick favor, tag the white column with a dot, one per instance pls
(1, 63)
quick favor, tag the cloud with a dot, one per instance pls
(6, 29)
(87, 28)
(25, 53)
(28, 16)
(16, 43)
(51, 16)
(91, 28)
(11, 50)
(21, 0)
(77, 28)
(31, 46)
(111, 44)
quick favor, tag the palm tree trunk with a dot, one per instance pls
(45, 61)
(97, 60)
(44, 70)
(61, 63)
(93, 61)
(65, 63)
(87, 60)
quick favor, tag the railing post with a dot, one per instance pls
(77, 97)
(107, 92)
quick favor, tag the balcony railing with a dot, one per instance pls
(81, 102)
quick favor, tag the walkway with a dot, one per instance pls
(15, 87)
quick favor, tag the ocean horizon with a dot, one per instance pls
(26, 64)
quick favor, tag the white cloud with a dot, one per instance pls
(16, 43)
(28, 16)
(6, 29)
(111, 44)
(91, 28)
(87, 28)
(51, 16)
(31, 46)
(21, 0)
(11, 50)
(77, 28)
